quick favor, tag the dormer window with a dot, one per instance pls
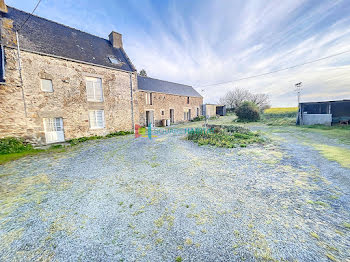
(114, 60)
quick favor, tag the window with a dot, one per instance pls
(197, 111)
(46, 85)
(149, 99)
(162, 112)
(114, 60)
(94, 89)
(188, 100)
(96, 119)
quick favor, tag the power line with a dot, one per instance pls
(279, 70)
(29, 16)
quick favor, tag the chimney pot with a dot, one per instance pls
(116, 39)
(3, 7)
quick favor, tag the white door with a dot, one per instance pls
(54, 130)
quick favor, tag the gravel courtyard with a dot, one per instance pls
(166, 199)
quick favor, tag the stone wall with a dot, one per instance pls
(161, 101)
(68, 100)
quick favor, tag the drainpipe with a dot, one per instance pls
(132, 103)
(20, 74)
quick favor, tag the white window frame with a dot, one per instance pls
(92, 91)
(93, 119)
(48, 81)
(54, 130)
(149, 98)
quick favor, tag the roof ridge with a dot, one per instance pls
(166, 81)
(58, 23)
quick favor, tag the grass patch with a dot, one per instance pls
(278, 121)
(10, 157)
(225, 136)
(178, 259)
(320, 203)
(314, 235)
(335, 153)
(14, 148)
(331, 257)
(339, 132)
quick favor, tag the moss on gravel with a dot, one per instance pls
(335, 153)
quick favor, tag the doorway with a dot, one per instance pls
(149, 118)
(54, 132)
(172, 117)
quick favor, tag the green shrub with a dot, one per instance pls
(13, 145)
(198, 118)
(248, 112)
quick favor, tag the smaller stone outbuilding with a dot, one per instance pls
(212, 110)
(162, 102)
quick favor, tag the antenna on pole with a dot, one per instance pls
(298, 88)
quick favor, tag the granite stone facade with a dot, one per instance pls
(162, 103)
(24, 117)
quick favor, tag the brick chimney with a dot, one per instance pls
(116, 39)
(3, 7)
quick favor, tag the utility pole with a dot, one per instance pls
(298, 88)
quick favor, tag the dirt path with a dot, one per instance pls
(126, 199)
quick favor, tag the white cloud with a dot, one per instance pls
(205, 42)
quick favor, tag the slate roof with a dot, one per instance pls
(161, 86)
(48, 37)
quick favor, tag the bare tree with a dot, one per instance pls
(234, 98)
(261, 100)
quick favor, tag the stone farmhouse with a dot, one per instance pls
(162, 100)
(59, 83)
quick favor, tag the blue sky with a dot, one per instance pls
(206, 42)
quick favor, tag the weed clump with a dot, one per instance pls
(225, 136)
(13, 145)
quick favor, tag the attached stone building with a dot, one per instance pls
(59, 83)
(162, 100)
(68, 83)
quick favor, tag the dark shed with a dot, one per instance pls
(221, 110)
(327, 112)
